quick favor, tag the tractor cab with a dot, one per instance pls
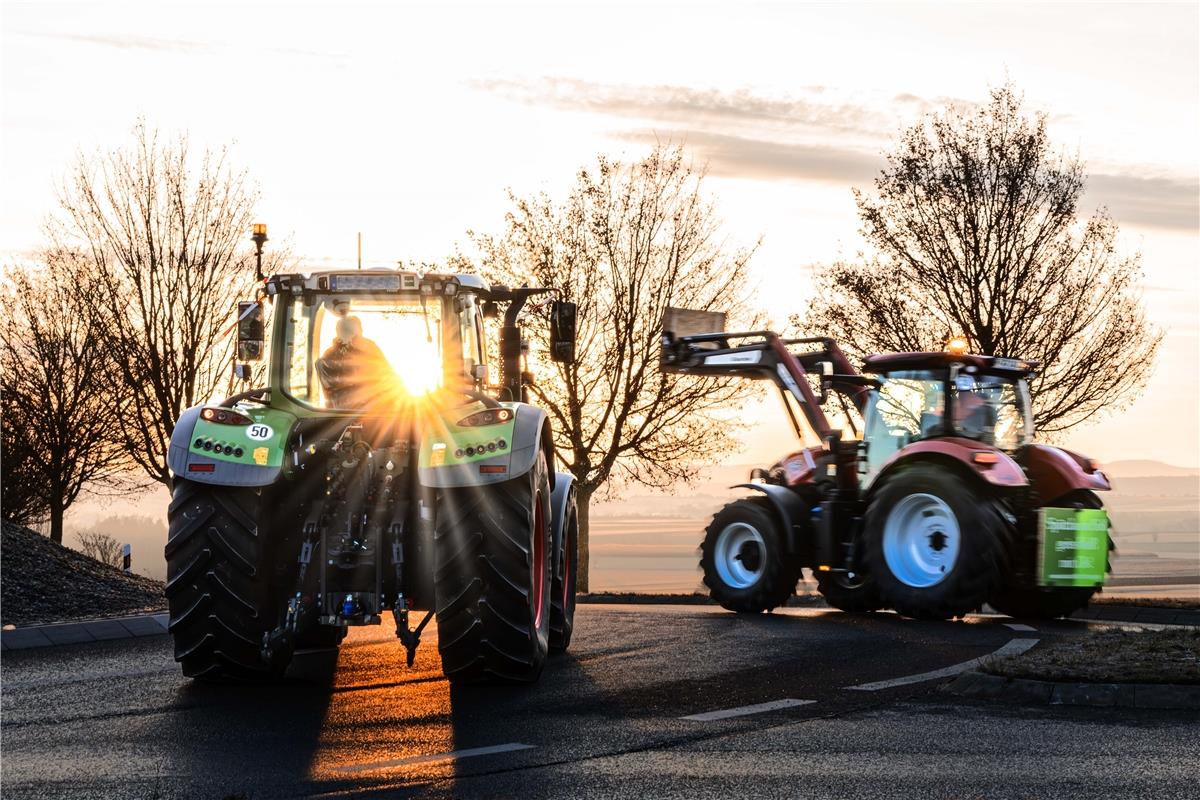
(353, 340)
(922, 396)
(369, 340)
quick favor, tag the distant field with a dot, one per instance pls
(647, 543)
(657, 554)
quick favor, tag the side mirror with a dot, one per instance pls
(251, 331)
(562, 331)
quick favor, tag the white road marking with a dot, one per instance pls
(1016, 626)
(450, 756)
(1012, 648)
(743, 711)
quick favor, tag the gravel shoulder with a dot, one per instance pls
(41, 581)
(1109, 656)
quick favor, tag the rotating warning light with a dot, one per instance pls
(957, 346)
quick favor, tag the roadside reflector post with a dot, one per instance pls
(127, 557)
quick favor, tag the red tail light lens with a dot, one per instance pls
(492, 416)
(224, 416)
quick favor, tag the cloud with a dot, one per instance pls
(126, 42)
(807, 137)
(692, 106)
(1153, 202)
(740, 157)
(183, 46)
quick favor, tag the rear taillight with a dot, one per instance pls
(224, 416)
(985, 457)
(492, 416)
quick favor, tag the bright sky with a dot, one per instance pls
(408, 122)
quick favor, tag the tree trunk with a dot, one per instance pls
(56, 520)
(583, 499)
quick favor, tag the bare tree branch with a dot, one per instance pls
(152, 239)
(973, 232)
(629, 240)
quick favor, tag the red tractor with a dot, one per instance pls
(919, 489)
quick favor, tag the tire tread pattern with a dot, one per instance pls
(219, 604)
(781, 572)
(484, 615)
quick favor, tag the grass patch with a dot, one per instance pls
(1180, 603)
(1111, 656)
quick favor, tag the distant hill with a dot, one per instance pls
(45, 582)
(1145, 468)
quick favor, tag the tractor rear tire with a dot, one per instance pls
(492, 548)
(857, 595)
(219, 591)
(1048, 602)
(935, 544)
(744, 558)
(562, 590)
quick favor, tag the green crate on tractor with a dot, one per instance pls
(918, 486)
(378, 471)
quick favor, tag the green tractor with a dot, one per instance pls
(378, 470)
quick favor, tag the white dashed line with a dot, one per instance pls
(453, 755)
(1012, 648)
(743, 711)
(1016, 626)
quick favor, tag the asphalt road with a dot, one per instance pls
(118, 720)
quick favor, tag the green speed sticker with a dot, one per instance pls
(1074, 547)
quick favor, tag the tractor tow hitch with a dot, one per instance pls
(410, 638)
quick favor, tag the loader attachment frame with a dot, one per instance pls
(764, 355)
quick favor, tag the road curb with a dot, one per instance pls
(1025, 691)
(91, 630)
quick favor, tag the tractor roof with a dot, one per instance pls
(894, 362)
(375, 280)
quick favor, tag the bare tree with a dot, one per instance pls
(974, 232)
(57, 383)
(158, 251)
(101, 546)
(630, 239)
(22, 491)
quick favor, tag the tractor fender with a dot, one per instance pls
(564, 487)
(262, 448)
(791, 508)
(1054, 471)
(530, 433)
(958, 453)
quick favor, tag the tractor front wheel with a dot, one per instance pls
(935, 544)
(219, 589)
(744, 558)
(492, 579)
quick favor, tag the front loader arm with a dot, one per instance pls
(755, 355)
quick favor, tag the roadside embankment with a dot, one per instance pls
(41, 581)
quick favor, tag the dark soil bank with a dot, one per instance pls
(41, 581)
